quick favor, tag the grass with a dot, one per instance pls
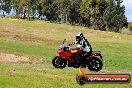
(40, 40)
(27, 49)
(47, 52)
(25, 76)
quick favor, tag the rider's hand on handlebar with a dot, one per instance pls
(69, 44)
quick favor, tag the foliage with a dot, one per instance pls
(106, 15)
(5, 6)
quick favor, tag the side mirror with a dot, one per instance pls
(64, 41)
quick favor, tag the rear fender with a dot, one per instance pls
(96, 55)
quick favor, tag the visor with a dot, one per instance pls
(78, 38)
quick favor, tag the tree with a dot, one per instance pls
(115, 16)
(85, 13)
(61, 9)
(40, 7)
(33, 5)
(20, 7)
(101, 6)
(98, 14)
(47, 10)
(74, 10)
(5, 6)
(103, 14)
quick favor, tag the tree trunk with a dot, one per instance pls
(40, 16)
(3, 14)
(17, 13)
(24, 14)
(61, 18)
(66, 18)
(28, 12)
(33, 14)
(48, 17)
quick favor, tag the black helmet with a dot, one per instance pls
(79, 36)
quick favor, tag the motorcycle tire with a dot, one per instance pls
(59, 62)
(94, 64)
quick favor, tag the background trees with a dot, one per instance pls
(107, 15)
(5, 6)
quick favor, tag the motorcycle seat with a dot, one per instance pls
(76, 48)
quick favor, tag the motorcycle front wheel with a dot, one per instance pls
(59, 62)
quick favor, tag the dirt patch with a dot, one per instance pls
(70, 35)
(11, 58)
(27, 38)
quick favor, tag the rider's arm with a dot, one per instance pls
(73, 43)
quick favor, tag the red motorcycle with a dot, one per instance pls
(66, 57)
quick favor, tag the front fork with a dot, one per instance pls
(101, 56)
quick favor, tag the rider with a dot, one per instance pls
(84, 45)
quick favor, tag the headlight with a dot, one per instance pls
(58, 51)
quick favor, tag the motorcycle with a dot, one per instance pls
(69, 57)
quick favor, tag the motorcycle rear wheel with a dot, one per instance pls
(59, 62)
(95, 64)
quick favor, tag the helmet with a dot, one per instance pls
(79, 36)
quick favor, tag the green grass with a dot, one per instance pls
(40, 40)
(33, 76)
(27, 49)
(47, 52)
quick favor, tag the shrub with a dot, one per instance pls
(130, 28)
(125, 31)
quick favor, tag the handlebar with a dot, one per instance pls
(64, 41)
